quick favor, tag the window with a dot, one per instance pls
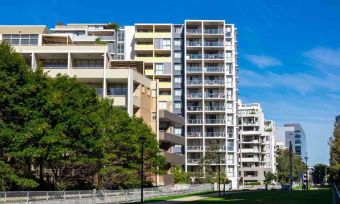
(230, 106)
(154, 116)
(162, 105)
(228, 54)
(178, 54)
(159, 69)
(178, 67)
(178, 131)
(230, 158)
(178, 92)
(229, 81)
(178, 29)
(177, 79)
(177, 42)
(166, 44)
(121, 35)
(178, 105)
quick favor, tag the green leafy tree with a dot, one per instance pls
(282, 160)
(335, 155)
(180, 175)
(269, 177)
(57, 134)
(319, 173)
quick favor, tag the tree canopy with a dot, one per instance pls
(58, 134)
(282, 160)
(335, 155)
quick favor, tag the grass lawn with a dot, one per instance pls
(176, 196)
(321, 196)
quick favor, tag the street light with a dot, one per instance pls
(306, 158)
(219, 173)
(142, 140)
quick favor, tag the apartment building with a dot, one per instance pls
(257, 143)
(294, 133)
(122, 81)
(190, 69)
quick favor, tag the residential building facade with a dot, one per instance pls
(257, 143)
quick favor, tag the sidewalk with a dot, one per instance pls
(186, 199)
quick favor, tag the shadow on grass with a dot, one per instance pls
(322, 196)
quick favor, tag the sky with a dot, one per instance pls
(289, 51)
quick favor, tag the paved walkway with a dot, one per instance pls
(187, 199)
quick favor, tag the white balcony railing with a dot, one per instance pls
(215, 134)
(194, 134)
(195, 121)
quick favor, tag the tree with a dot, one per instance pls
(58, 134)
(319, 173)
(269, 177)
(335, 155)
(282, 160)
(180, 175)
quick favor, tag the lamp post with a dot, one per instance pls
(219, 173)
(290, 165)
(142, 140)
(306, 158)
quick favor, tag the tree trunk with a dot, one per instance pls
(41, 170)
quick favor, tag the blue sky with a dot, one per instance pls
(289, 51)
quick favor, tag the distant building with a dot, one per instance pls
(295, 134)
(337, 120)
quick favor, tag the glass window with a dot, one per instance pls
(178, 67)
(162, 105)
(154, 116)
(178, 105)
(178, 80)
(166, 44)
(178, 42)
(178, 54)
(178, 131)
(178, 92)
(159, 68)
(178, 29)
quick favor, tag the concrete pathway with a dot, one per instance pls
(186, 199)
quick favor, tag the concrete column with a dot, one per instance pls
(33, 61)
(69, 63)
(130, 94)
(104, 75)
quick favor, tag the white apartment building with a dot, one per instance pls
(257, 143)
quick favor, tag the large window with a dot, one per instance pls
(178, 92)
(166, 44)
(177, 42)
(162, 105)
(178, 67)
(178, 54)
(159, 69)
(16, 39)
(121, 35)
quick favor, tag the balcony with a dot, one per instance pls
(118, 100)
(214, 95)
(194, 108)
(214, 108)
(171, 138)
(173, 158)
(249, 150)
(194, 31)
(215, 134)
(194, 56)
(166, 116)
(213, 56)
(230, 148)
(215, 121)
(213, 69)
(194, 43)
(213, 44)
(194, 95)
(194, 82)
(194, 134)
(194, 69)
(193, 161)
(215, 148)
(250, 159)
(214, 82)
(214, 31)
(194, 148)
(195, 121)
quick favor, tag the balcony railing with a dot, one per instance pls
(195, 121)
(215, 121)
(213, 44)
(195, 108)
(193, 161)
(213, 56)
(194, 147)
(194, 56)
(214, 95)
(194, 82)
(87, 67)
(214, 69)
(230, 148)
(194, 31)
(213, 31)
(194, 95)
(194, 43)
(216, 148)
(56, 67)
(214, 82)
(194, 69)
(214, 108)
(194, 134)
(215, 134)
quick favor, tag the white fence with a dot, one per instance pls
(97, 196)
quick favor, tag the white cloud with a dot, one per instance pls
(263, 61)
(324, 57)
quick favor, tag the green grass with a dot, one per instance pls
(321, 196)
(164, 198)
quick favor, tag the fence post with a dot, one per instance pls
(28, 196)
(5, 197)
(47, 195)
(64, 195)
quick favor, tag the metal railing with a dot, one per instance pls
(213, 44)
(215, 121)
(194, 82)
(194, 56)
(194, 69)
(214, 95)
(214, 108)
(213, 31)
(217, 148)
(215, 134)
(213, 56)
(214, 82)
(214, 69)
(194, 31)
(194, 95)
(195, 108)
(193, 161)
(194, 43)
(97, 196)
(194, 147)
(194, 134)
(195, 121)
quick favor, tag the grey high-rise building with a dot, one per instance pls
(295, 134)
